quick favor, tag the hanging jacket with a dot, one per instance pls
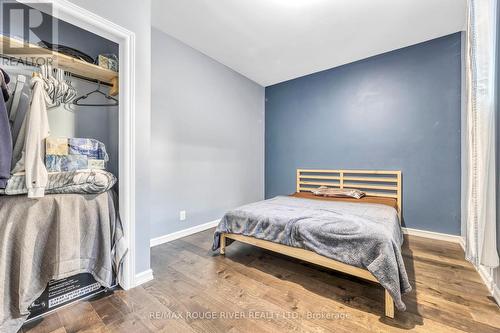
(5, 138)
(37, 130)
(4, 81)
(19, 128)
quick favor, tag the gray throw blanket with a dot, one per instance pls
(362, 235)
(53, 238)
(91, 181)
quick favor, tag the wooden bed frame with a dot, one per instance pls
(373, 183)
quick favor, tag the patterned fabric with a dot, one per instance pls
(63, 154)
(91, 148)
(96, 164)
(56, 146)
(78, 182)
(336, 192)
(55, 163)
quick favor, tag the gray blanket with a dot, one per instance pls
(363, 235)
(91, 181)
(52, 238)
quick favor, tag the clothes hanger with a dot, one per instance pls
(97, 91)
(64, 92)
(48, 82)
(71, 91)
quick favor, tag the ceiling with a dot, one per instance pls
(270, 41)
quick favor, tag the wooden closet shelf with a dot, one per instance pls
(33, 54)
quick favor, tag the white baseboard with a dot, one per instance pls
(182, 233)
(433, 235)
(143, 277)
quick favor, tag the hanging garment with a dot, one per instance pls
(5, 138)
(16, 97)
(37, 130)
(4, 81)
(478, 166)
(19, 128)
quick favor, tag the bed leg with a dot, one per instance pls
(389, 305)
(222, 244)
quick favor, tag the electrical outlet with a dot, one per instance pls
(182, 215)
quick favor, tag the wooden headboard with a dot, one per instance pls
(372, 182)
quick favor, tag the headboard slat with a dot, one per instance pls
(382, 183)
(369, 186)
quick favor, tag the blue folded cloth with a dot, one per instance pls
(78, 154)
(59, 163)
(91, 148)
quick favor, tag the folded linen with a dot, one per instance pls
(55, 163)
(71, 154)
(77, 182)
(91, 148)
(56, 146)
(96, 164)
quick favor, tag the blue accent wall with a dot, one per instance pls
(398, 111)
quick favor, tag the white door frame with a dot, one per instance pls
(71, 13)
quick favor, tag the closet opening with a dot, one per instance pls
(66, 184)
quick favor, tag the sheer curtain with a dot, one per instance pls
(478, 169)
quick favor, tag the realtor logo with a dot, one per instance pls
(24, 24)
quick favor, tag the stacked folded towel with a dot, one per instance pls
(76, 182)
(70, 154)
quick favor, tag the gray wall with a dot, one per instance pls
(136, 17)
(399, 111)
(207, 137)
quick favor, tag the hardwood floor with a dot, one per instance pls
(252, 290)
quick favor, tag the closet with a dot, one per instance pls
(64, 242)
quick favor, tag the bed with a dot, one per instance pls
(359, 237)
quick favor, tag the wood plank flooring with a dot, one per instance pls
(252, 290)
